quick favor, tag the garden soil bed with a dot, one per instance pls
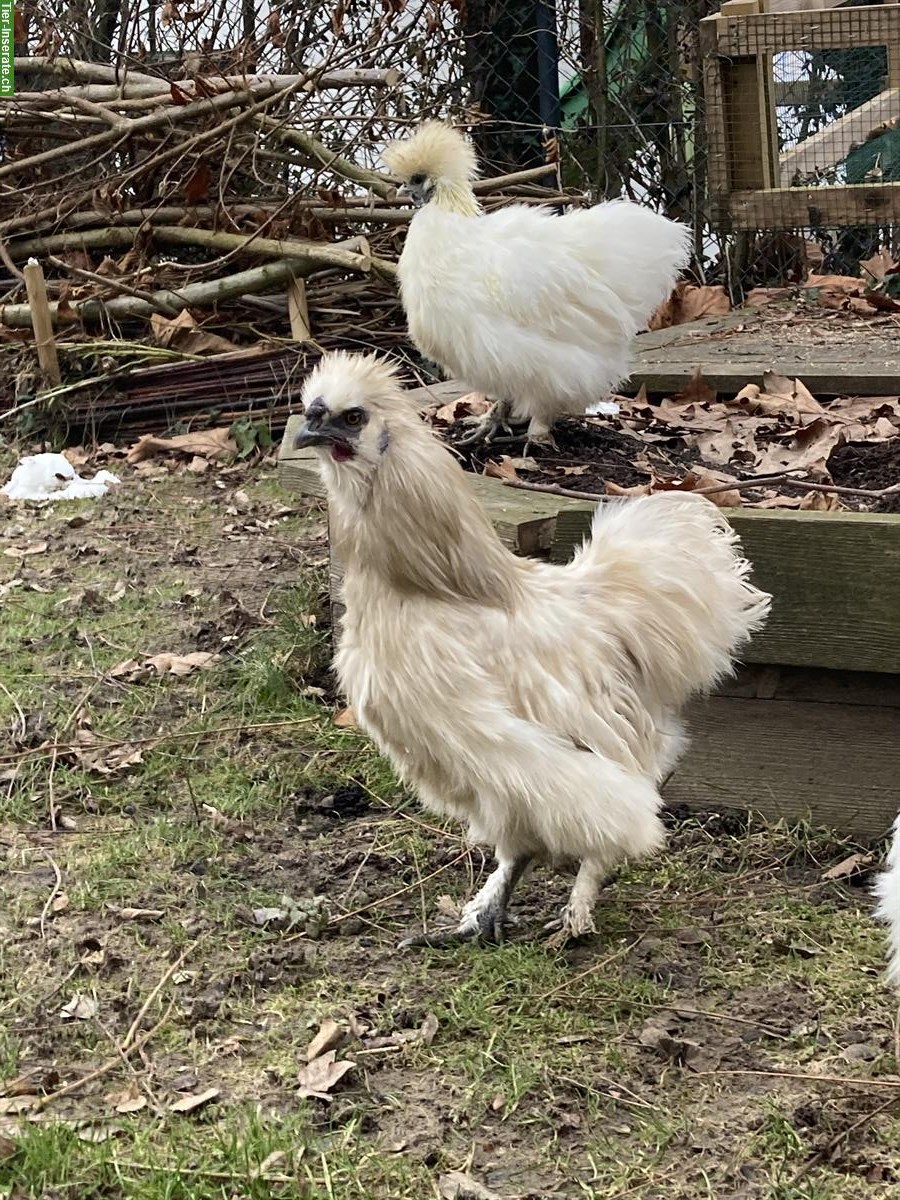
(593, 455)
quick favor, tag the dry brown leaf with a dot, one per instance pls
(59, 903)
(183, 333)
(820, 502)
(880, 264)
(851, 865)
(98, 1132)
(695, 391)
(80, 1008)
(137, 914)
(329, 1037)
(180, 664)
(346, 719)
(639, 489)
(8, 1147)
(502, 468)
(213, 444)
(808, 450)
(690, 302)
(734, 441)
(457, 1185)
(757, 297)
(96, 755)
(25, 551)
(194, 1101)
(130, 1100)
(318, 1078)
(472, 404)
(699, 478)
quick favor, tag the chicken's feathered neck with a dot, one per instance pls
(456, 197)
(418, 529)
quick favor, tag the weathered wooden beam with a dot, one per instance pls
(772, 33)
(836, 762)
(662, 377)
(811, 207)
(835, 579)
(832, 144)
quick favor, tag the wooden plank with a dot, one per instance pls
(768, 682)
(748, 161)
(835, 579)
(768, 34)
(42, 323)
(714, 110)
(832, 144)
(663, 377)
(657, 338)
(739, 8)
(837, 763)
(812, 207)
(298, 311)
(779, 6)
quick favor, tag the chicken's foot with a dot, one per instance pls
(484, 916)
(498, 419)
(577, 918)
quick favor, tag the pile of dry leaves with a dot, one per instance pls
(774, 446)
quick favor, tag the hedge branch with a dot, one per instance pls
(311, 255)
(192, 295)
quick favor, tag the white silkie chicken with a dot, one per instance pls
(537, 703)
(887, 889)
(536, 310)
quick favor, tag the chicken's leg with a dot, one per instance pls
(577, 918)
(484, 915)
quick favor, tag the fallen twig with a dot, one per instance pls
(130, 1043)
(54, 892)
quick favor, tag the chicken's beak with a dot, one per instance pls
(308, 436)
(414, 192)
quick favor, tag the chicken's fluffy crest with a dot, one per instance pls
(435, 150)
(345, 380)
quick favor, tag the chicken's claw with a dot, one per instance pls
(496, 420)
(569, 926)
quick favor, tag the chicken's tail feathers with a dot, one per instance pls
(887, 891)
(641, 254)
(678, 586)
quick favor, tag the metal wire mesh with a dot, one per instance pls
(616, 97)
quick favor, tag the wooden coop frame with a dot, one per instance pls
(750, 181)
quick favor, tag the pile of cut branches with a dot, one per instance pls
(205, 214)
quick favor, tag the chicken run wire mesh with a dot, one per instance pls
(609, 94)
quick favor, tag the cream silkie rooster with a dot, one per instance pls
(887, 889)
(536, 310)
(537, 703)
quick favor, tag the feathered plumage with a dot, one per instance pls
(537, 703)
(535, 309)
(887, 889)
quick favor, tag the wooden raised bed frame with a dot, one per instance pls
(811, 724)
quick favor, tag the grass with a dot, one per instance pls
(138, 884)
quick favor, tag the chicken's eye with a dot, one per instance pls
(353, 416)
(417, 179)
